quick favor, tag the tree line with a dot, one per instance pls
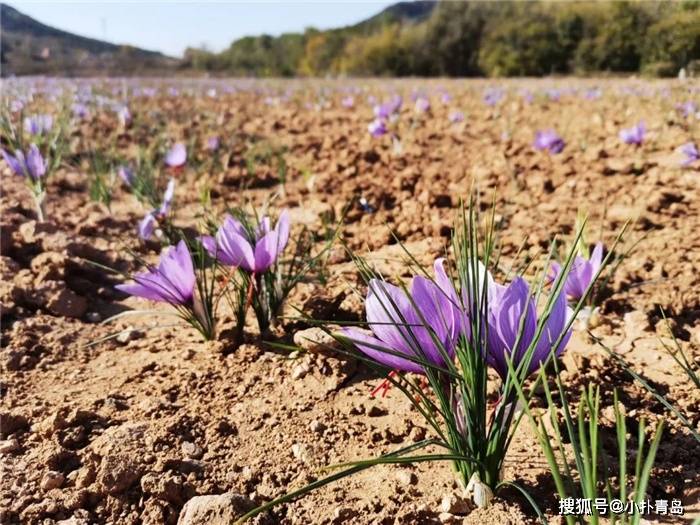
(481, 39)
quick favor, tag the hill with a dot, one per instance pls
(29, 47)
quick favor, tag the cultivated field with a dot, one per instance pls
(127, 429)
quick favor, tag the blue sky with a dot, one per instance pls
(170, 27)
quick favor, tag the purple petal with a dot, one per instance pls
(146, 226)
(266, 250)
(14, 162)
(380, 352)
(35, 163)
(234, 249)
(176, 156)
(168, 197)
(387, 309)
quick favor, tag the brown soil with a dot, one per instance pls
(127, 432)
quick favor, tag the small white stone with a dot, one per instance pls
(300, 371)
(52, 480)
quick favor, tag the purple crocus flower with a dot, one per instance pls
(633, 135)
(80, 110)
(688, 109)
(691, 153)
(549, 140)
(167, 198)
(172, 282)
(455, 116)
(377, 127)
(147, 226)
(422, 105)
(213, 143)
(176, 155)
(31, 165)
(509, 307)
(388, 109)
(126, 174)
(38, 124)
(410, 326)
(233, 245)
(493, 96)
(382, 111)
(348, 101)
(581, 273)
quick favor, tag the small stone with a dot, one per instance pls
(52, 480)
(11, 423)
(317, 426)
(406, 477)
(128, 334)
(8, 446)
(453, 504)
(375, 411)
(191, 450)
(221, 509)
(446, 517)
(300, 451)
(315, 340)
(300, 371)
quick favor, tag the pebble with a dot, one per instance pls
(220, 509)
(52, 480)
(317, 426)
(128, 334)
(453, 504)
(8, 446)
(375, 411)
(191, 450)
(446, 517)
(300, 371)
(406, 477)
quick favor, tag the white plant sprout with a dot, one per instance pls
(471, 437)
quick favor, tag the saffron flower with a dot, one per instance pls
(493, 96)
(688, 109)
(456, 116)
(176, 155)
(549, 140)
(377, 127)
(581, 273)
(126, 174)
(172, 281)
(38, 124)
(512, 307)
(213, 143)
(148, 224)
(691, 153)
(422, 105)
(235, 246)
(423, 325)
(31, 165)
(633, 135)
